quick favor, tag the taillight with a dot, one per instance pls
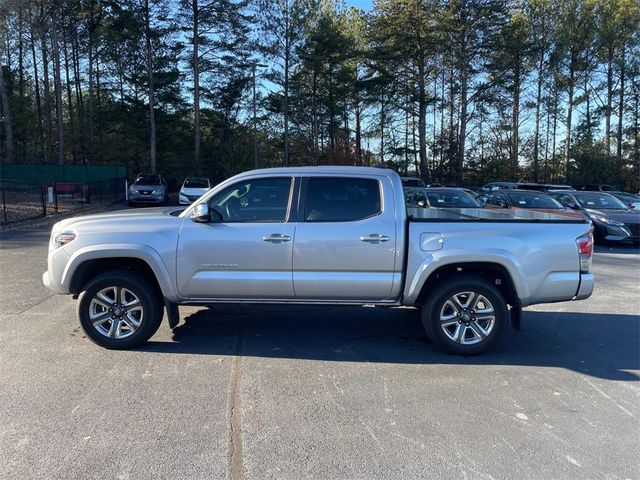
(585, 251)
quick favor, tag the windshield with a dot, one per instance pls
(531, 200)
(451, 199)
(147, 180)
(196, 183)
(625, 197)
(600, 201)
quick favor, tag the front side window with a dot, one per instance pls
(259, 200)
(497, 199)
(341, 199)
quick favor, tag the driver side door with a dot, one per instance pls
(247, 251)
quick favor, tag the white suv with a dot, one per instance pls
(192, 189)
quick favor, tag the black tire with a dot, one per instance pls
(136, 285)
(435, 305)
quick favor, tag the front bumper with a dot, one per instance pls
(187, 199)
(50, 283)
(146, 200)
(614, 233)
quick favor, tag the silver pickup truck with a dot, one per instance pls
(338, 235)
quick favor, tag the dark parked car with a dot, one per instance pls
(412, 182)
(440, 198)
(528, 199)
(595, 187)
(148, 189)
(632, 201)
(612, 219)
(493, 186)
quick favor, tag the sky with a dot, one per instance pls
(363, 4)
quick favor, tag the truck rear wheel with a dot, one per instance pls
(119, 310)
(465, 315)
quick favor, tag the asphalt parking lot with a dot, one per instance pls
(292, 392)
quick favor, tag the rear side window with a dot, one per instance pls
(341, 199)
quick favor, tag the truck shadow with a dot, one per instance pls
(602, 345)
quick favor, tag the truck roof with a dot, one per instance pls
(338, 169)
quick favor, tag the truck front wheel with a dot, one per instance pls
(119, 310)
(465, 315)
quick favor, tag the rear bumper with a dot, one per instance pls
(586, 286)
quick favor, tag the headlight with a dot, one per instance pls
(63, 238)
(608, 221)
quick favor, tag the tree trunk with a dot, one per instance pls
(406, 124)
(358, 135)
(536, 135)
(152, 117)
(567, 145)
(607, 110)
(196, 86)
(287, 59)
(37, 85)
(314, 116)
(76, 69)
(47, 90)
(463, 124)
(57, 85)
(546, 147)
(69, 101)
(422, 122)
(515, 118)
(620, 110)
(6, 112)
(554, 165)
(636, 130)
(382, 106)
(90, 95)
(20, 51)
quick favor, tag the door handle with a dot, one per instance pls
(375, 238)
(276, 238)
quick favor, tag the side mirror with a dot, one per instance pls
(201, 213)
(502, 204)
(572, 206)
(422, 203)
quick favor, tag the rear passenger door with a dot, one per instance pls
(345, 244)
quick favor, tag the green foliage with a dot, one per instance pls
(453, 90)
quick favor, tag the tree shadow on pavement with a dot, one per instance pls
(602, 345)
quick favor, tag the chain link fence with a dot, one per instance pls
(25, 201)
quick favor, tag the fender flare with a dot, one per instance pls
(452, 257)
(143, 252)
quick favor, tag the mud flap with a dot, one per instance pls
(173, 314)
(516, 316)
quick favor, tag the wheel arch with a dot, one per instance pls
(495, 273)
(86, 263)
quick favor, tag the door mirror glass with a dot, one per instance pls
(201, 213)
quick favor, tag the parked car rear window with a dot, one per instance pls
(452, 199)
(599, 201)
(531, 200)
(341, 199)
